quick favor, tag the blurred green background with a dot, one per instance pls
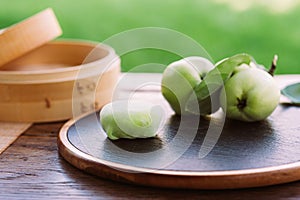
(223, 27)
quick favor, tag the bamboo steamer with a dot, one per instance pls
(51, 82)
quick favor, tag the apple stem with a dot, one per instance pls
(273, 66)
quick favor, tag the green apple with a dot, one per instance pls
(208, 90)
(180, 78)
(250, 94)
(131, 119)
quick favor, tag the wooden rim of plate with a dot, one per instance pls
(40, 86)
(27, 35)
(232, 179)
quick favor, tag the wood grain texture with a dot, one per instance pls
(31, 168)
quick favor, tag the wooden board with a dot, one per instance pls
(241, 155)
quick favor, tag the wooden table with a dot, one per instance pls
(33, 169)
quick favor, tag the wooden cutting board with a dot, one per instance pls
(241, 155)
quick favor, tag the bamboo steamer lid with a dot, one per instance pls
(50, 82)
(27, 35)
